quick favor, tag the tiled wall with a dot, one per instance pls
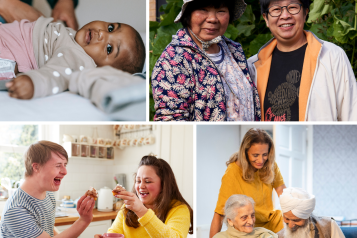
(83, 173)
(334, 170)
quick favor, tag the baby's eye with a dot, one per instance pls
(109, 49)
(110, 27)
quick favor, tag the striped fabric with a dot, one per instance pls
(26, 216)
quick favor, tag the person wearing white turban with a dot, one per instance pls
(297, 206)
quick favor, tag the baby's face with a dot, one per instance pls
(107, 43)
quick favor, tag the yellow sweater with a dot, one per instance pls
(233, 183)
(176, 225)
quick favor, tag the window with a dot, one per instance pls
(14, 141)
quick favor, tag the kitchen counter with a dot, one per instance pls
(97, 216)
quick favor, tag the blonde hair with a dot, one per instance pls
(40, 153)
(255, 136)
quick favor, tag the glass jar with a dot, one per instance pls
(102, 152)
(110, 153)
(93, 151)
(76, 149)
(84, 150)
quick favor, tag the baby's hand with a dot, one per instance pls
(21, 87)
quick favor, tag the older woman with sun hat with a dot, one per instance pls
(202, 75)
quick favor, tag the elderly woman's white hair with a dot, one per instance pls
(233, 203)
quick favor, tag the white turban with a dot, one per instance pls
(298, 201)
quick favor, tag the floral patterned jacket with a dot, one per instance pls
(187, 85)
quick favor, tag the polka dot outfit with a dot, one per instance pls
(58, 56)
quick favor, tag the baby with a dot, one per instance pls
(47, 53)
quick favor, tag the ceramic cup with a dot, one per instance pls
(101, 141)
(141, 140)
(149, 140)
(108, 142)
(134, 142)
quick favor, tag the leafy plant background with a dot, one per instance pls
(331, 20)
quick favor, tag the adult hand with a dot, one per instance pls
(133, 203)
(98, 236)
(85, 208)
(21, 87)
(64, 11)
(15, 10)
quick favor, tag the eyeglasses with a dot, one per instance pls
(293, 9)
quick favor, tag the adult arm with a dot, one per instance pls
(85, 207)
(171, 88)
(176, 225)
(216, 224)
(64, 11)
(278, 183)
(15, 10)
(279, 190)
(347, 91)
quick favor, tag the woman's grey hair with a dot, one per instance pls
(233, 203)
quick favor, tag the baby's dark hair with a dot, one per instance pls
(136, 62)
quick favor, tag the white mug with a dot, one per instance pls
(149, 140)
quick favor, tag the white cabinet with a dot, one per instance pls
(96, 227)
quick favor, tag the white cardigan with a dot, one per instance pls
(333, 92)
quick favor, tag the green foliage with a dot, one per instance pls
(330, 20)
(12, 164)
(335, 21)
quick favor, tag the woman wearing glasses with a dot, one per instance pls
(296, 72)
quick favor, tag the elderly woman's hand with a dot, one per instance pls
(133, 203)
(85, 207)
(15, 10)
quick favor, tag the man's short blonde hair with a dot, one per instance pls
(40, 153)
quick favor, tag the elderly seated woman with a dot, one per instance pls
(240, 218)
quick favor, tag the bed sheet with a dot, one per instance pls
(65, 106)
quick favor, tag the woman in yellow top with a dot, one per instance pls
(155, 208)
(252, 171)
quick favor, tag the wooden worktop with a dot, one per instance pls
(97, 216)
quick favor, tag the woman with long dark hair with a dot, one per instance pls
(155, 207)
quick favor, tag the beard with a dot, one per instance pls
(299, 232)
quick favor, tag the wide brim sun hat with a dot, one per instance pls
(239, 8)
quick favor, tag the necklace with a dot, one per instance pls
(207, 44)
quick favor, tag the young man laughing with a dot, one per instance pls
(30, 212)
(300, 77)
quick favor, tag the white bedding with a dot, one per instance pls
(62, 107)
